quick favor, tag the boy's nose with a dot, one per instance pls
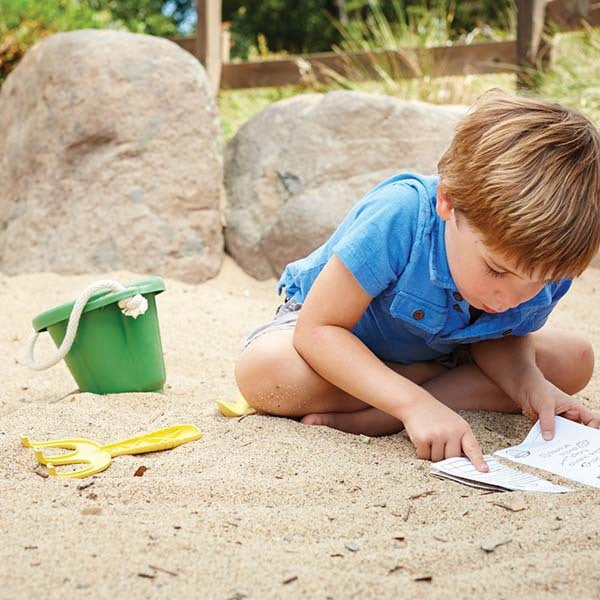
(506, 299)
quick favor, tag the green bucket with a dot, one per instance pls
(112, 353)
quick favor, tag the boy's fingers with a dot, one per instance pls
(452, 448)
(473, 452)
(423, 451)
(437, 451)
(586, 416)
(546, 416)
(593, 421)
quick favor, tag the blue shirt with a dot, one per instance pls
(392, 241)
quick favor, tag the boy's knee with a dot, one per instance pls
(578, 364)
(250, 373)
(584, 364)
(258, 374)
(565, 358)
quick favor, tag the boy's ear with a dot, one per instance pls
(443, 205)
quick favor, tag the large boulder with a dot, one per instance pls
(295, 169)
(110, 159)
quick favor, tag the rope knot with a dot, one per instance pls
(134, 306)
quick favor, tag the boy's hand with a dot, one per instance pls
(437, 432)
(544, 400)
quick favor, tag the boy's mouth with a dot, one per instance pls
(489, 310)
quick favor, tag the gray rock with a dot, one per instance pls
(110, 158)
(295, 169)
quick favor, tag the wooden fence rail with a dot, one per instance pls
(211, 46)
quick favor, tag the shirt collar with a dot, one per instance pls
(439, 271)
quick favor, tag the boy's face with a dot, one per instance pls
(486, 280)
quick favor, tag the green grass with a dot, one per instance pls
(573, 81)
(237, 106)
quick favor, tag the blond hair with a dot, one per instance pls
(526, 174)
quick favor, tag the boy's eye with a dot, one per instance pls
(493, 272)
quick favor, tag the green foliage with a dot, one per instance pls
(575, 78)
(237, 106)
(297, 27)
(24, 22)
(313, 25)
(404, 30)
(139, 16)
(460, 16)
(55, 14)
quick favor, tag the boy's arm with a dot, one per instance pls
(323, 337)
(510, 363)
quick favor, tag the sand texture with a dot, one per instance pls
(261, 507)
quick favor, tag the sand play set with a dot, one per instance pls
(109, 338)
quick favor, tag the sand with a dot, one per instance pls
(262, 507)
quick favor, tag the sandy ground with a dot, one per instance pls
(261, 507)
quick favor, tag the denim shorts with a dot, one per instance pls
(286, 317)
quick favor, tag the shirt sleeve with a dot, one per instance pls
(557, 291)
(377, 242)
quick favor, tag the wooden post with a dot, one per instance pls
(225, 43)
(208, 39)
(530, 26)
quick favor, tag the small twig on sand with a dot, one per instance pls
(63, 397)
(508, 506)
(421, 495)
(155, 568)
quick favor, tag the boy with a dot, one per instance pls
(426, 298)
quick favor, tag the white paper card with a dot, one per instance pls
(574, 452)
(499, 478)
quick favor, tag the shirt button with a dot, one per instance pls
(507, 332)
(457, 308)
(457, 297)
(418, 315)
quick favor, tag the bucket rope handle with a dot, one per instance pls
(134, 306)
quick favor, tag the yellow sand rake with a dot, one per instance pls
(98, 457)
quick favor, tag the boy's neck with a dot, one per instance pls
(475, 313)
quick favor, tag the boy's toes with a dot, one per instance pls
(313, 419)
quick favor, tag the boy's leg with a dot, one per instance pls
(565, 359)
(276, 380)
(462, 388)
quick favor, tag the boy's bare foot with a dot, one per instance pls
(369, 421)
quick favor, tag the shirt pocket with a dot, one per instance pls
(418, 316)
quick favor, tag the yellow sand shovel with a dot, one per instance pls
(98, 457)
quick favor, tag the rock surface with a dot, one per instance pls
(296, 168)
(110, 158)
